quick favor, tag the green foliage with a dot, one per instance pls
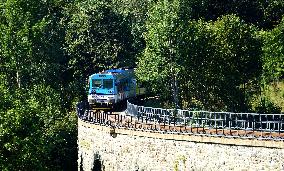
(97, 38)
(270, 99)
(238, 57)
(30, 42)
(135, 12)
(157, 63)
(264, 14)
(34, 120)
(213, 61)
(266, 106)
(273, 57)
(35, 134)
(196, 57)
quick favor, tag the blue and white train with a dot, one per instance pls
(112, 86)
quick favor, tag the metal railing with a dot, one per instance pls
(223, 124)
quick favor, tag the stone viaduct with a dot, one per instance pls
(102, 147)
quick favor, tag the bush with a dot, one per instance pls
(265, 105)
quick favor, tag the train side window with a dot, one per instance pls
(119, 87)
(125, 85)
(108, 83)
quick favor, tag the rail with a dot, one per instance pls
(171, 121)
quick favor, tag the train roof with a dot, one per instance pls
(117, 72)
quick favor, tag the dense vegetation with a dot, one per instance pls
(204, 54)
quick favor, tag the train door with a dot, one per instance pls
(132, 85)
(119, 91)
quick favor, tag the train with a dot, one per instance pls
(110, 87)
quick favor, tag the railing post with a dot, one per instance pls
(230, 123)
(141, 114)
(260, 119)
(215, 118)
(279, 123)
(253, 123)
(223, 120)
(164, 119)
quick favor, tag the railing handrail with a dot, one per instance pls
(228, 120)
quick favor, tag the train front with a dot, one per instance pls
(102, 90)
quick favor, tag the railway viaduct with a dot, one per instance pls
(118, 142)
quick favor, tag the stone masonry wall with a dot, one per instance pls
(124, 150)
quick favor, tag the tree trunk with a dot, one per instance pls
(18, 79)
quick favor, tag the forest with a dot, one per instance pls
(195, 54)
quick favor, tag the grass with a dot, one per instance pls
(275, 92)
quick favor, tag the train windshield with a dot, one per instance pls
(108, 83)
(96, 83)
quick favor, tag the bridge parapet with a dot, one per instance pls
(204, 123)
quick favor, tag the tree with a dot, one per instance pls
(214, 61)
(219, 59)
(31, 42)
(35, 120)
(238, 56)
(157, 65)
(196, 49)
(36, 134)
(264, 14)
(15, 44)
(136, 13)
(273, 56)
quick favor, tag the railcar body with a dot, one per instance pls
(112, 86)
